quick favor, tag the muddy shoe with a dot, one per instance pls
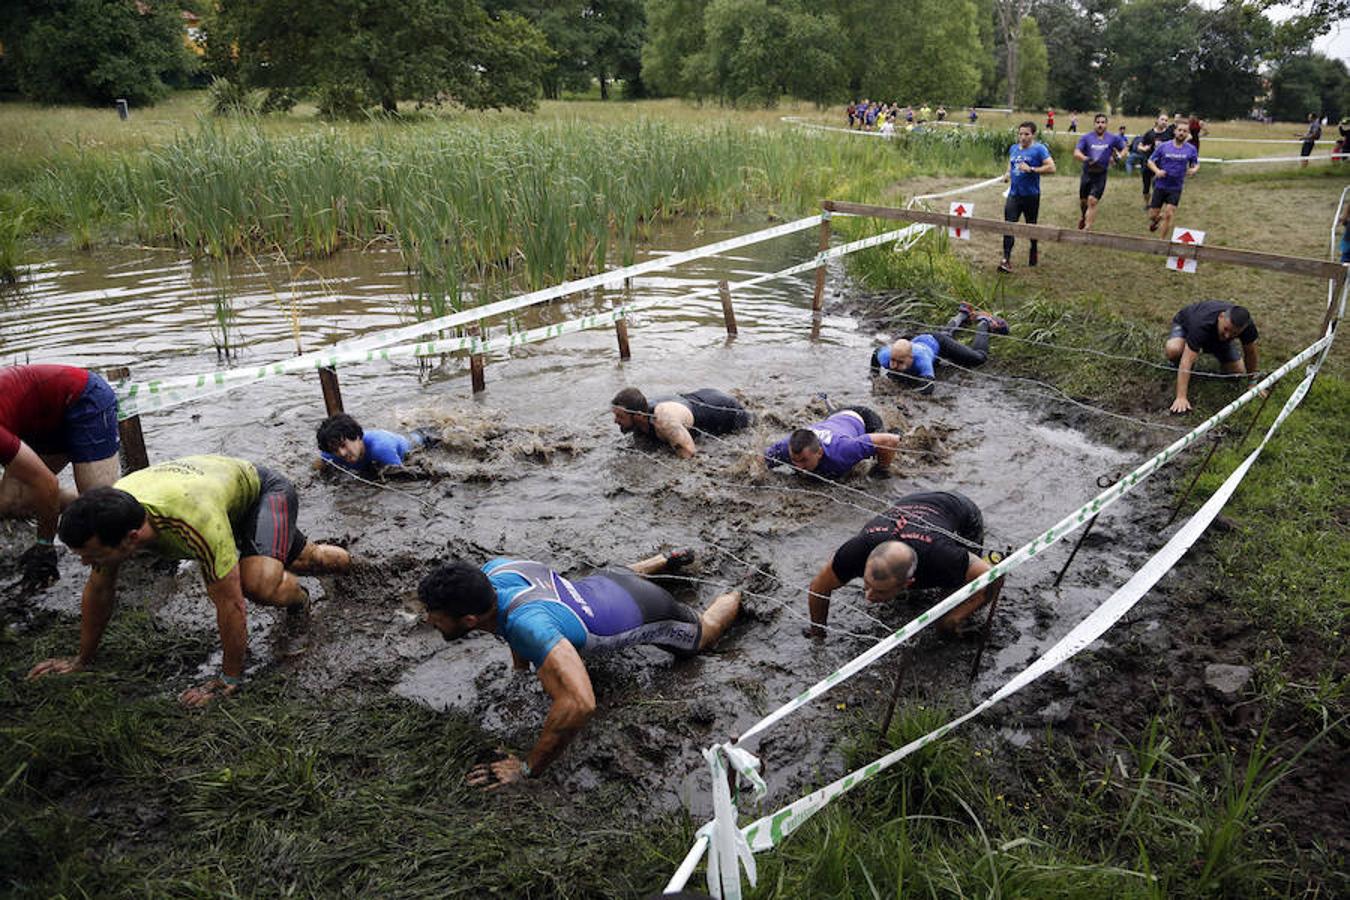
(997, 325)
(682, 558)
(966, 310)
(1005, 267)
(297, 614)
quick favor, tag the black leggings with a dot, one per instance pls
(871, 421)
(969, 356)
(1025, 207)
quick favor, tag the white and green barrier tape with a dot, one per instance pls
(768, 831)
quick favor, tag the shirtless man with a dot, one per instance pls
(672, 419)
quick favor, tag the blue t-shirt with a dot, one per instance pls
(594, 613)
(1174, 161)
(383, 448)
(923, 349)
(843, 437)
(1099, 150)
(1026, 184)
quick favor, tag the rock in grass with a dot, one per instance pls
(1227, 681)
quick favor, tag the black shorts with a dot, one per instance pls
(1161, 197)
(269, 528)
(971, 526)
(715, 412)
(871, 421)
(1092, 184)
(665, 622)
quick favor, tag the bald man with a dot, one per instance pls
(926, 540)
(911, 359)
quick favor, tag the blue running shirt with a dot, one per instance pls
(1026, 184)
(383, 448)
(923, 349)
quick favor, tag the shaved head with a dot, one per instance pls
(902, 355)
(890, 569)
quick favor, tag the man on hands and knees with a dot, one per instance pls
(911, 359)
(831, 448)
(49, 416)
(550, 622)
(926, 540)
(237, 519)
(672, 419)
(1216, 327)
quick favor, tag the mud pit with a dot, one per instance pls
(534, 468)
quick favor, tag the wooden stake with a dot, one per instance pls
(818, 299)
(332, 393)
(900, 669)
(728, 313)
(476, 364)
(1213, 445)
(131, 440)
(995, 589)
(621, 331)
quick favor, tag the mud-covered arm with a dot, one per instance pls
(975, 567)
(673, 432)
(232, 620)
(96, 608)
(566, 680)
(818, 594)
(29, 468)
(886, 444)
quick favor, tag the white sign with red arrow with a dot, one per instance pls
(1189, 237)
(964, 210)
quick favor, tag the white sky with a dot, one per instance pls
(1335, 43)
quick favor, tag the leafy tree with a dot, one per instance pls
(1225, 80)
(354, 54)
(94, 51)
(597, 40)
(989, 52)
(1310, 84)
(1150, 54)
(1010, 14)
(675, 36)
(1073, 40)
(939, 60)
(1033, 65)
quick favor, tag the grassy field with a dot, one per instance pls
(107, 788)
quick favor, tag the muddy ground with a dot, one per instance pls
(534, 468)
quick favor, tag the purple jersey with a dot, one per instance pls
(843, 437)
(1098, 150)
(1174, 161)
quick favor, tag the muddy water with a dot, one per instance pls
(534, 468)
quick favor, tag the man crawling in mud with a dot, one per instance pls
(672, 420)
(237, 519)
(833, 447)
(925, 540)
(550, 621)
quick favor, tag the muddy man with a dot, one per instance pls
(550, 621)
(237, 519)
(672, 419)
(925, 540)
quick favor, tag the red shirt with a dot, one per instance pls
(33, 403)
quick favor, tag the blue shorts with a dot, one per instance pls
(89, 428)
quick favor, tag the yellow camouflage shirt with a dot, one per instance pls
(196, 504)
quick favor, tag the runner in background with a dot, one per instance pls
(1150, 140)
(1197, 128)
(1050, 120)
(1028, 160)
(1096, 150)
(1172, 163)
(1310, 137)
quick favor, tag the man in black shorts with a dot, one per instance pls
(550, 622)
(671, 419)
(1096, 150)
(1210, 326)
(926, 540)
(236, 519)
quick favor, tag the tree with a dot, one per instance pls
(1225, 79)
(939, 61)
(1010, 15)
(1033, 65)
(1073, 42)
(675, 36)
(598, 40)
(354, 54)
(94, 51)
(1150, 53)
(1309, 84)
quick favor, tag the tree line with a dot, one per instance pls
(354, 56)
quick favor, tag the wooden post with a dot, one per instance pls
(1176, 510)
(901, 667)
(728, 313)
(476, 363)
(621, 331)
(994, 590)
(130, 438)
(332, 393)
(818, 299)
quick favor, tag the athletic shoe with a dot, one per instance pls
(1082, 222)
(1005, 267)
(996, 325)
(1153, 226)
(966, 310)
(679, 559)
(1032, 257)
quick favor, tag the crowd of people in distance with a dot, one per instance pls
(885, 117)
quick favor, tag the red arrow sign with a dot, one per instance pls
(1186, 238)
(1181, 264)
(958, 232)
(960, 210)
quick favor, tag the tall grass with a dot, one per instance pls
(541, 201)
(11, 244)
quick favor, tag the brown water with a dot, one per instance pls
(534, 468)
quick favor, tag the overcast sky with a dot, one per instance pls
(1335, 43)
